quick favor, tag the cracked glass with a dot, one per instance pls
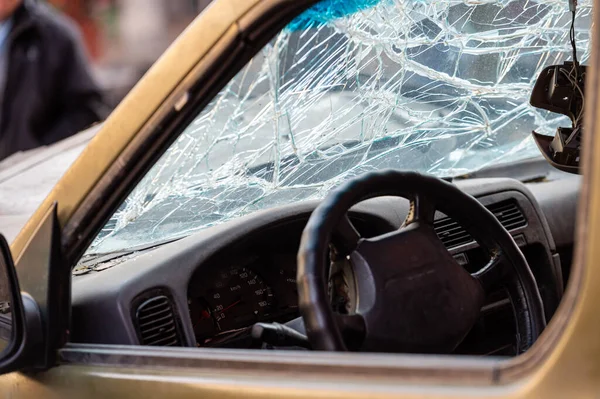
(440, 87)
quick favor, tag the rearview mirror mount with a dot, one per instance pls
(561, 89)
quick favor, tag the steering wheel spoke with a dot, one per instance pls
(345, 237)
(493, 273)
(422, 210)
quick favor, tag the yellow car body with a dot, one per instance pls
(564, 362)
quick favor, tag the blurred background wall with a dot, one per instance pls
(125, 37)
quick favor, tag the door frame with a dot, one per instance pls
(568, 350)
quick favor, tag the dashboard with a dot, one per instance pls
(209, 289)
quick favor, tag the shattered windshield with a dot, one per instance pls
(440, 87)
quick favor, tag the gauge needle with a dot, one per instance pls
(232, 305)
(204, 315)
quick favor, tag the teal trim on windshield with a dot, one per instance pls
(328, 10)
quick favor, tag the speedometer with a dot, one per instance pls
(239, 297)
(236, 298)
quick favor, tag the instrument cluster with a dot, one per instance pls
(226, 302)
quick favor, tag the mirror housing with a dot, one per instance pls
(561, 89)
(20, 322)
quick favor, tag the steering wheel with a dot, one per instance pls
(411, 294)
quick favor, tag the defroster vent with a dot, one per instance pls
(452, 234)
(156, 322)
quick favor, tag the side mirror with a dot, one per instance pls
(14, 337)
(11, 308)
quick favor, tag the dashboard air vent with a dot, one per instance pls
(156, 324)
(509, 214)
(452, 234)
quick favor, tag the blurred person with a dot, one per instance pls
(47, 92)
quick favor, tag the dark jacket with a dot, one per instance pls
(49, 92)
